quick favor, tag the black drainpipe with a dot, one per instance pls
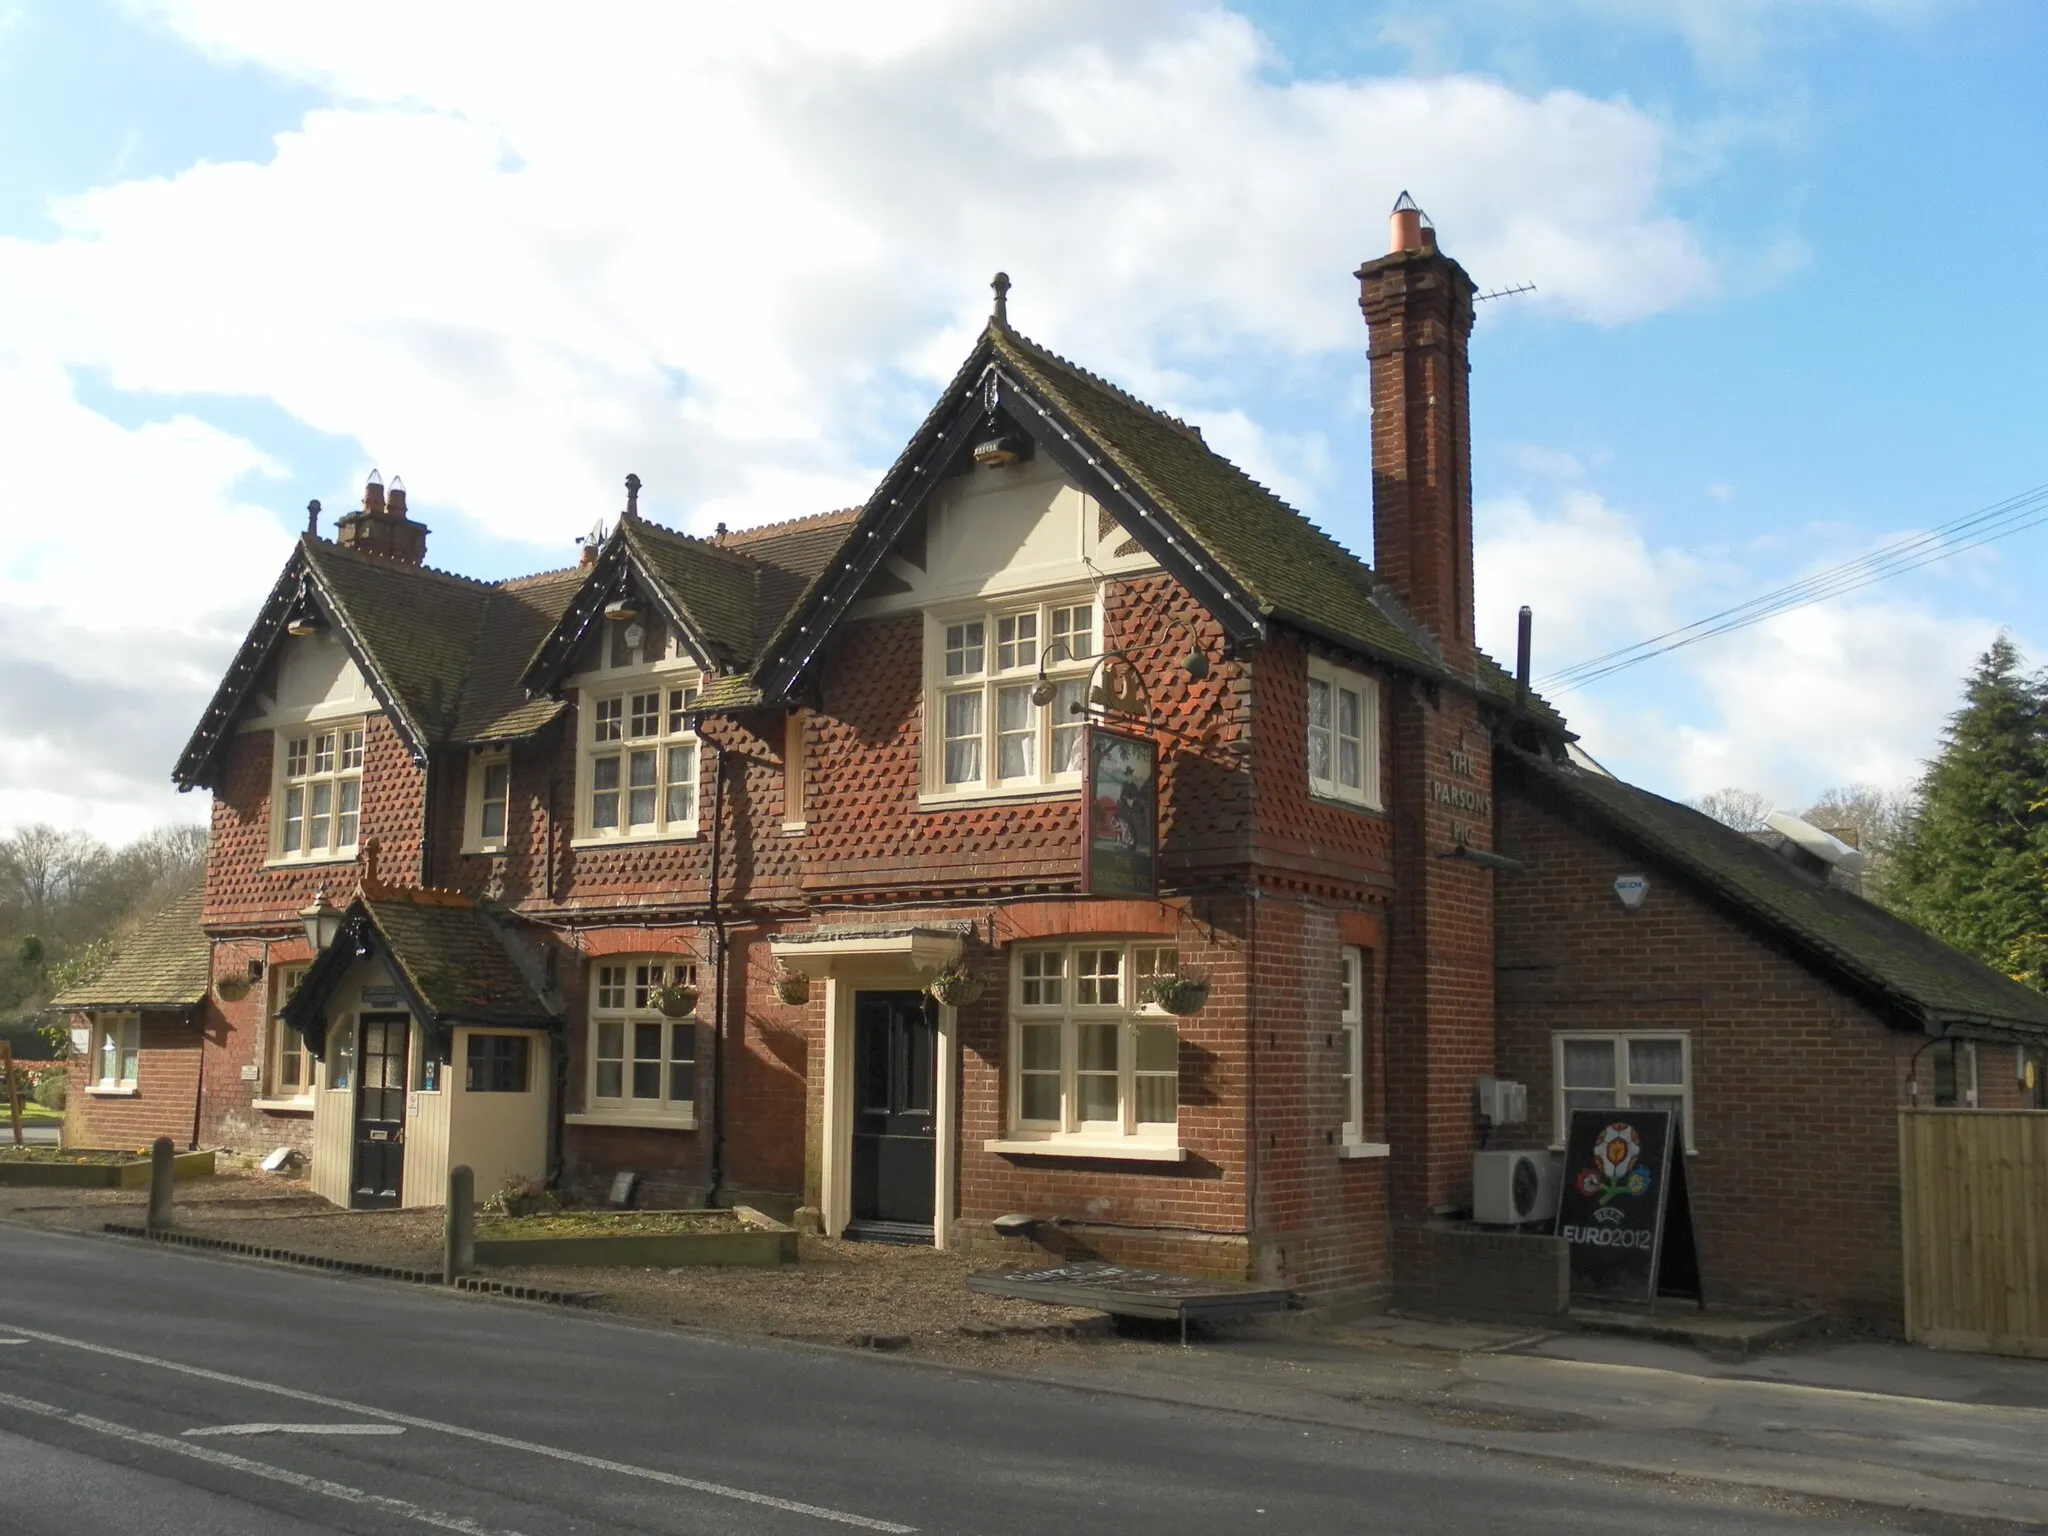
(713, 1195)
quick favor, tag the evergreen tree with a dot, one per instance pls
(1973, 868)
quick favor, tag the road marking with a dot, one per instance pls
(299, 1480)
(481, 1436)
(13, 1341)
(295, 1429)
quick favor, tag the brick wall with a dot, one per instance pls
(166, 1080)
(1796, 1085)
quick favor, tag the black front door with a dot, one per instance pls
(380, 1109)
(895, 1079)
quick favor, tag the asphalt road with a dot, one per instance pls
(158, 1391)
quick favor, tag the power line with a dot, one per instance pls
(2015, 514)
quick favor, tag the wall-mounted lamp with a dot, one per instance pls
(622, 610)
(322, 921)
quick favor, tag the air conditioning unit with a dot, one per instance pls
(1512, 1189)
(1500, 1100)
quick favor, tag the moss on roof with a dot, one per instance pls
(1926, 979)
(457, 961)
(167, 962)
(517, 617)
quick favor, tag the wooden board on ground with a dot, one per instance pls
(1132, 1292)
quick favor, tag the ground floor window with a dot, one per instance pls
(116, 1049)
(289, 1070)
(1641, 1070)
(1352, 1042)
(642, 1061)
(498, 1064)
(341, 1054)
(1954, 1065)
(1092, 1057)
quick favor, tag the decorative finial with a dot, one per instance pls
(313, 516)
(632, 495)
(1001, 285)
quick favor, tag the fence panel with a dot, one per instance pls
(1974, 1210)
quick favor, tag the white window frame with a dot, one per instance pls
(1124, 1134)
(1351, 1042)
(608, 705)
(633, 1006)
(285, 980)
(307, 759)
(123, 1032)
(1623, 1088)
(471, 1037)
(1340, 682)
(475, 839)
(1004, 667)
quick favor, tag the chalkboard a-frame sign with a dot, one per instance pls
(1625, 1212)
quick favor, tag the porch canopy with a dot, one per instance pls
(453, 962)
(918, 946)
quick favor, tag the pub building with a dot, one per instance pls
(1072, 833)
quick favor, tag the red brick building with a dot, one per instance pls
(775, 843)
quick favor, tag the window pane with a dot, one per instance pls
(1095, 1084)
(316, 822)
(323, 753)
(608, 720)
(294, 820)
(1670, 1102)
(1097, 977)
(682, 1063)
(611, 989)
(1095, 1047)
(493, 822)
(1588, 1098)
(1039, 1085)
(646, 1061)
(1016, 734)
(604, 796)
(347, 820)
(1350, 741)
(963, 738)
(1069, 701)
(1321, 750)
(1656, 1061)
(341, 1055)
(295, 756)
(964, 649)
(646, 717)
(1044, 973)
(1017, 641)
(679, 701)
(131, 1034)
(640, 800)
(682, 785)
(1158, 1048)
(1073, 637)
(351, 750)
(610, 1080)
(1589, 1064)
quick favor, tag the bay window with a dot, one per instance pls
(317, 798)
(1092, 1061)
(986, 733)
(1343, 734)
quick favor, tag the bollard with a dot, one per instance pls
(458, 1227)
(161, 1171)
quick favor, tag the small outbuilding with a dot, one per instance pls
(437, 1045)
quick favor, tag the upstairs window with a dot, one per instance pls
(490, 802)
(637, 771)
(318, 797)
(1343, 734)
(985, 734)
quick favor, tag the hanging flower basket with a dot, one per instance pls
(1179, 993)
(956, 987)
(677, 1002)
(232, 989)
(792, 987)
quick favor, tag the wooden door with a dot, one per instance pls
(895, 1115)
(382, 1041)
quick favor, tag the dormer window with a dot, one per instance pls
(317, 799)
(637, 770)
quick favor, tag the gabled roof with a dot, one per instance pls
(442, 653)
(1910, 973)
(724, 596)
(1248, 554)
(167, 962)
(455, 963)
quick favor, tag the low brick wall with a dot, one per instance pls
(1459, 1271)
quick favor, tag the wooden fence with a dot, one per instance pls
(1974, 1192)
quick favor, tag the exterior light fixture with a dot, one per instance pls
(322, 921)
(621, 610)
(307, 621)
(1197, 663)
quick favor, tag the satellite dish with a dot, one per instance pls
(1825, 846)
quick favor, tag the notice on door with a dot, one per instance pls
(1625, 1211)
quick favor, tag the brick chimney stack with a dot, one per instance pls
(1418, 314)
(381, 526)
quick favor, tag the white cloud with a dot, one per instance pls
(730, 248)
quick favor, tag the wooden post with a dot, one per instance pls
(458, 1227)
(13, 1088)
(162, 1170)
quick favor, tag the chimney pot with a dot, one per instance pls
(373, 493)
(1405, 232)
(394, 497)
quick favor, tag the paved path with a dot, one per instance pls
(155, 1390)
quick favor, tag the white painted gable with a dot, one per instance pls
(1015, 529)
(311, 678)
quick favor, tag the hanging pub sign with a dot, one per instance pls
(1119, 814)
(1625, 1212)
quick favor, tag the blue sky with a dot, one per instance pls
(1786, 255)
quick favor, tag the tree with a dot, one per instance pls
(1742, 809)
(1973, 866)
